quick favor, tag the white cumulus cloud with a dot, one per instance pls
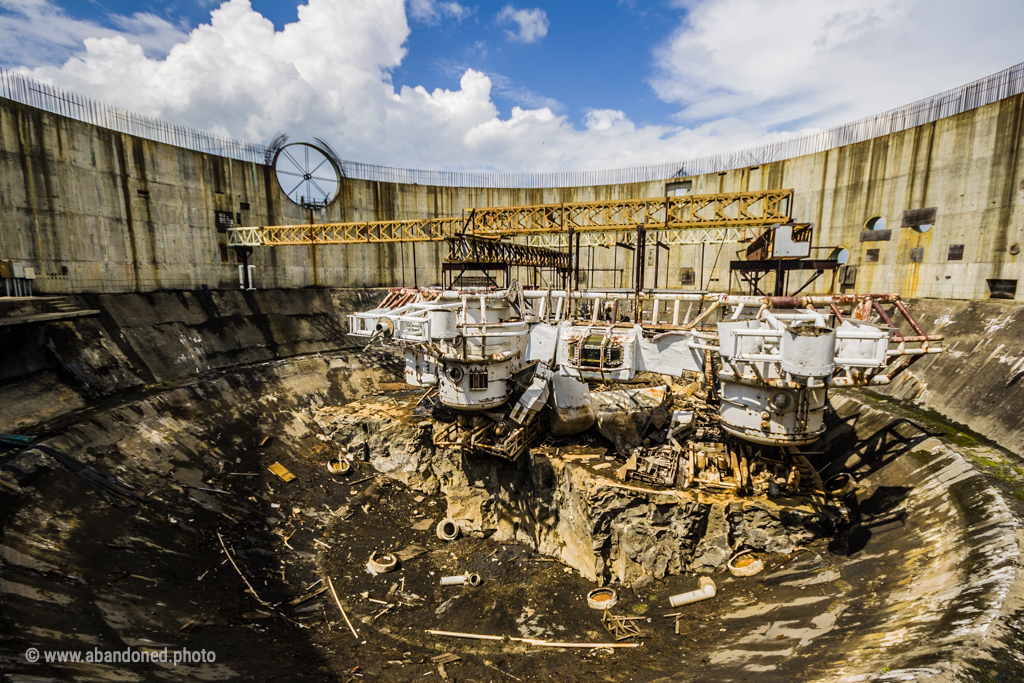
(742, 72)
(34, 32)
(432, 11)
(822, 63)
(533, 23)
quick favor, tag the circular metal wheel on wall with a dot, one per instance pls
(307, 174)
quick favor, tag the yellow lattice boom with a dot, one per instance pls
(672, 214)
(689, 211)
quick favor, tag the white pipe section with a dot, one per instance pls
(707, 590)
(464, 579)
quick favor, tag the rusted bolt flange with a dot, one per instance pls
(745, 564)
(448, 529)
(602, 598)
(382, 563)
(840, 485)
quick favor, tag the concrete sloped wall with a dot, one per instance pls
(979, 381)
(140, 342)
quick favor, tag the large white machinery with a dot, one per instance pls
(779, 356)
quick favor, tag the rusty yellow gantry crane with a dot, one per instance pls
(690, 219)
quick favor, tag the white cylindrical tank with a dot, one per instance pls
(443, 324)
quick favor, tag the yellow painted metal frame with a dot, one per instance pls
(755, 208)
(721, 216)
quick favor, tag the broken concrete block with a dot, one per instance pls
(624, 416)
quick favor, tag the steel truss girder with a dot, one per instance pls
(673, 237)
(689, 211)
(716, 218)
(364, 232)
(472, 249)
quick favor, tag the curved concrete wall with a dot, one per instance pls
(100, 211)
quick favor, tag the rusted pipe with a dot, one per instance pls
(885, 317)
(823, 300)
(910, 319)
(835, 312)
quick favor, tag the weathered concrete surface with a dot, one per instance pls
(625, 416)
(919, 584)
(945, 549)
(977, 382)
(142, 340)
(80, 574)
(100, 211)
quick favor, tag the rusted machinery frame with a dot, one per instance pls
(474, 249)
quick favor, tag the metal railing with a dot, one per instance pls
(998, 86)
(58, 101)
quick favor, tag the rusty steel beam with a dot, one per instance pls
(474, 249)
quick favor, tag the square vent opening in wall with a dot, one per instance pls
(223, 221)
(686, 276)
(917, 254)
(956, 252)
(1002, 289)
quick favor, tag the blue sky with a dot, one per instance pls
(597, 58)
(521, 86)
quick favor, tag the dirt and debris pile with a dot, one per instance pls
(383, 431)
(566, 502)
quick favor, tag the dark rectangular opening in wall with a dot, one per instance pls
(847, 275)
(917, 254)
(875, 235)
(686, 276)
(238, 218)
(223, 251)
(477, 379)
(223, 221)
(912, 218)
(956, 252)
(218, 175)
(871, 256)
(1002, 289)
(243, 206)
(142, 193)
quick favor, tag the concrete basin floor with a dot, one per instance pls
(922, 586)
